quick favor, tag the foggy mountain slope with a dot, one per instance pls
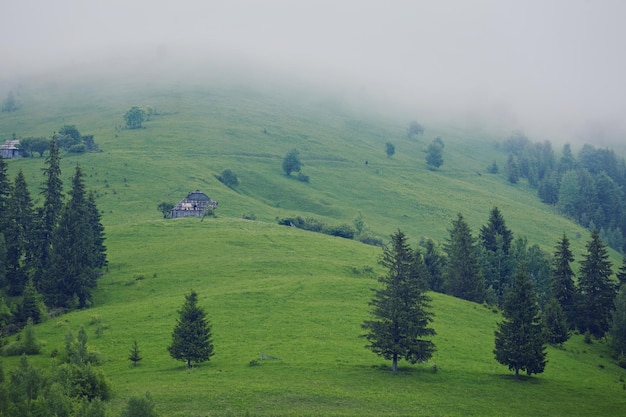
(205, 127)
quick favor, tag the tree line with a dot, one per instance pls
(588, 187)
(50, 256)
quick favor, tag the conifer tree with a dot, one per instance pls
(563, 288)
(494, 228)
(618, 323)
(621, 274)
(191, 338)
(597, 291)
(463, 275)
(5, 190)
(52, 192)
(520, 336)
(401, 309)
(555, 323)
(30, 306)
(98, 257)
(435, 263)
(18, 235)
(135, 355)
(72, 273)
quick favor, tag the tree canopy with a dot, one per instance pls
(134, 117)
(597, 291)
(191, 338)
(520, 340)
(401, 309)
(291, 162)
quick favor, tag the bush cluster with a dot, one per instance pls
(314, 225)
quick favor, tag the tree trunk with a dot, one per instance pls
(394, 364)
(188, 363)
(516, 373)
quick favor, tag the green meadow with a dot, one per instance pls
(286, 305)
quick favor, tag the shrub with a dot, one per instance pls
(343, 230)
(78, 148)
(228, 178)
(371, 240)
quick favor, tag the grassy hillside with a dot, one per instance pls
(290, 294)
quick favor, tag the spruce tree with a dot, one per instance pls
(597, 291)
(135, 355)
(555, 323)
(621, 274)
(5, 190)
(497, 266)
(618, 324)
(72, 274)
(52, 192)
(18, 235)
(435, 263)
(495, 227)
(563, 288)
(463, 275)
(401, 309)
(520, 336)
(98, 257)
(191, 338)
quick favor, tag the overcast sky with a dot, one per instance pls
(528, 62)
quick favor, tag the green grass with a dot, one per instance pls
(287, 293)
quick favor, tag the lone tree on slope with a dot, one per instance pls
(291, 162)
(520, 338)
(134, 117)
(191, 339)
(401, 307)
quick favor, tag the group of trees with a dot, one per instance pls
(589, 187)
(68, 138)
(51, 256)
(486, 269)
(135, 116)
(72, 387)
(10, 103)
(400, 328)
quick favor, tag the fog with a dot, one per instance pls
(551, 68)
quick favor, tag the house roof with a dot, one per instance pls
(10, 144)
(197, 196)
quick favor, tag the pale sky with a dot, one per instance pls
(530, 62)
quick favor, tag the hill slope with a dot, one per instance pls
(290, 294)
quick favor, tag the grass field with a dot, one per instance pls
(293, 295)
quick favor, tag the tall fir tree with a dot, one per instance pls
(72, 275)
(5, 191)
(555, 323)
(18, 235)
(618, 324)
(520, 337)
(435, 263)
(463, 275)
(401, 308)
(495, 227)
(621, 274)
(191, 338)
(98, 258)
(563, 287)
(597, 291)
(52, 192)
(497, 266)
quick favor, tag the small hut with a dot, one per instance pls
(11, 149)
(195, 204)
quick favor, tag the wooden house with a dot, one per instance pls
(195, 204)
(11, 149)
